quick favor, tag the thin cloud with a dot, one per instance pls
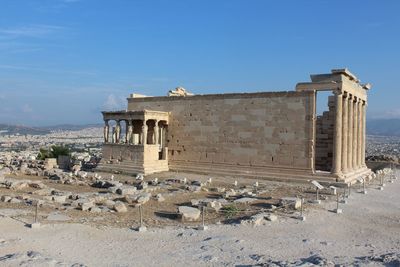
(26, 109)
(114, 103)
(30, 31)
(23, 39)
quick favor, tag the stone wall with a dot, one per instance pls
(122, 152)
(132, 159)
(272, 130)
(324, 138)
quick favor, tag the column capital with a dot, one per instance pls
(338, 92)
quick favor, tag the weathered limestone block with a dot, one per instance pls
(189, 213)
(83, 204)
(160, 198)
(216, 205)
(5, 198)
(143, 198)
(120, 207)
(59, 199)
(126, 190)
(291, 202)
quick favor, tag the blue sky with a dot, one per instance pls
(63, 61)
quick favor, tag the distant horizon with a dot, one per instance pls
(100, 123)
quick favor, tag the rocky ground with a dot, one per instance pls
(365, 234)
(169, 199)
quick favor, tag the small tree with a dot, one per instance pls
(59, 151)
(53, 152)
(43, 154)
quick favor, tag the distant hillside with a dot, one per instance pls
(387, 127)
(72, 127)
(21, 129)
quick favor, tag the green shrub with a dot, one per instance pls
(53, 152)
(230, 211)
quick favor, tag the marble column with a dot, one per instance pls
(337, 145)
(360, 134)
(345, 132)
(364, 115)
(350, 136)
(355, 134)
(144, 133)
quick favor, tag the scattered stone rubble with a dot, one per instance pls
(119, 196)
(260, 219)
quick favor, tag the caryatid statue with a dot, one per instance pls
(106, 131)
(117, 132)
(144, 133)
(129, 132)
(114, 135)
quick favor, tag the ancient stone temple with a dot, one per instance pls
(143, 148)
(271, 135)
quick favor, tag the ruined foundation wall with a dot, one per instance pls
(271, 130)
(324, 138)
(132, 159)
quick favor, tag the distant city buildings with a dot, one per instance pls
(85, 146)
(383, 145)
(82, 139)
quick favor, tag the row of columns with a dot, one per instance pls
(349, 133)
(129, 135)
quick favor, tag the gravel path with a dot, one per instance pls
(366, 234)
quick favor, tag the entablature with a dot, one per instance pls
(341, 80)
(143, 115)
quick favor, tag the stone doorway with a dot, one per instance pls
(324, 130)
